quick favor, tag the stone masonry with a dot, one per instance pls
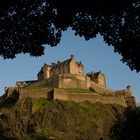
(69, 74)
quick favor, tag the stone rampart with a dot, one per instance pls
(67, 96)
(34, 93)
(66, 81)
(100, 89)
(127, 93)
(91, 97)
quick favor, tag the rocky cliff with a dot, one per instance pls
(28, 119)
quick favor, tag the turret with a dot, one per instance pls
(129, 90)
(72, 56)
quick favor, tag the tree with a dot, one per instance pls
(26, 25)
(127, 125)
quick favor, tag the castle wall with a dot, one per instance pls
(94, 97)
(40, 75)
(52, 82)
(47, 72)
(66, 81)
(76, 68)
(59, 68)
(101, 89)
(91, 97)
(88, 82)
(55, 71)
(127, 93)
(71, 81)
(35, 93)
(44, 72)
(101, 80)
(77, 97)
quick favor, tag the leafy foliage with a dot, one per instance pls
(127, 126)
(25, 26)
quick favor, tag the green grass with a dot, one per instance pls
(38, 104)
(77, 90)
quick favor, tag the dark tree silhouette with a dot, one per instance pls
(26, 25)
(127, 126)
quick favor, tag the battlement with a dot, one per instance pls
(69, 74)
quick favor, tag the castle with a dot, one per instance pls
(69, 75)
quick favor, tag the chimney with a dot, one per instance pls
(72, 56)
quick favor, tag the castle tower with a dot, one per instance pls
(75, 67)
(99, 78)
(129, 90)
(47, 69)
(44, 72)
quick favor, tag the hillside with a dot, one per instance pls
(28, 119)
(63, 104)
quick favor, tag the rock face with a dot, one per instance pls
(60, 120)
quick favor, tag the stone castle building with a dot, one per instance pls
(70, 74)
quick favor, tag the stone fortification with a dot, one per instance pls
(69, 66)
(69, 74)
(123, 98)
(92, 97)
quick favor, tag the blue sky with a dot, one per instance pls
(94, 54)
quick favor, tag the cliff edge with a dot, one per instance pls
(29, 119)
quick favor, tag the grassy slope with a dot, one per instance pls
(60, 120)
(42, 119)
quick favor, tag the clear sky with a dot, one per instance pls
(94, 54)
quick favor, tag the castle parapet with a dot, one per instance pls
(9, 91)
(125, 92)
(69, 74)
